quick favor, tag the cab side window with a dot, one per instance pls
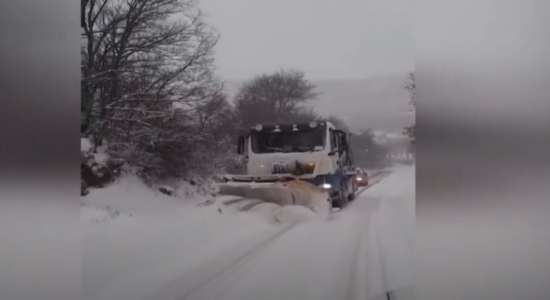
(333, 140)
(339, 140)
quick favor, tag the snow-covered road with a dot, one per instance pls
(361, 252)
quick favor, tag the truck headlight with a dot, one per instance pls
(307, 168)
(326, 186)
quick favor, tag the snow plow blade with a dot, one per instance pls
(293, 192)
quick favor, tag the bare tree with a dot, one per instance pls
(147, 78)
(410, 86)
(301, 115)
(278, 97)
(367, 152)
(144, 54)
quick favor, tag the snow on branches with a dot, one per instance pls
(410, 86)
(147, 83)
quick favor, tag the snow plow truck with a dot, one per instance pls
(308, 164)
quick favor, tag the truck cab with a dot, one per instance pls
(316, 152)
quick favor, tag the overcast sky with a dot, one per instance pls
(328, 39)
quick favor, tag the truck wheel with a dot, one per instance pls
(351, 195)
(343, 195)
(340, 200)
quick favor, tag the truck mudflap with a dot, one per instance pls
(283, 193)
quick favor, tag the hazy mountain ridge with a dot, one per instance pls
(378, 103)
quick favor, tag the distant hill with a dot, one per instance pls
(377, 103)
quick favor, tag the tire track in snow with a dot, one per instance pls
(367, 259)
(374, 245)
(194, 282)
(217, 280)
(355, 290)
(212, 280)
(351, 291)
(235, 265)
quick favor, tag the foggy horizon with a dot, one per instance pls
(357, 53)
(361, 40)
(379, 103)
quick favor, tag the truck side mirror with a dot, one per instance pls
(240, 145)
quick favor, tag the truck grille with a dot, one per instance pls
(292, 167)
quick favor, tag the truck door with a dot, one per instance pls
(334, 147)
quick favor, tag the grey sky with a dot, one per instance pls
(346, 39)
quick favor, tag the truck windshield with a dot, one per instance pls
(287, 141)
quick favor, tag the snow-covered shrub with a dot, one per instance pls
(176, 142)
(96, 169)
(236, 164)
(171, 151)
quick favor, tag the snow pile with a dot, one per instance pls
(85, 145)
(98, 156)
(129, 195)
(195, 186)
(270, 212)
(292, 193)
(96, 167)
(111, 195)
(101, 215)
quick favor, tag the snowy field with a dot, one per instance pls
(141, 244)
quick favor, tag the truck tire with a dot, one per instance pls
(342, 198)
(351, 195)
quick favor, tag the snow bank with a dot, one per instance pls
(265, 211)
(194, 187)
(278, 198)
(85, 145)
(132, 233)
(130, 196)
(100, 157)
(101, 215)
